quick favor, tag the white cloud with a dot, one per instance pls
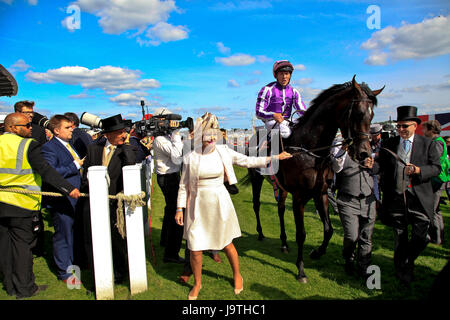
(238, 59)
(263, 59)
(252, 81)
(241, 5)
(119, 16)
(222, 49)
(428, 38)
(128, 99)
(165, 32)
(6, 107)
(299, 67)
(32, 2)
(233, 84)
(108, 78)
(82, 95)
(19, 66)
(308, 93)
(7, 1)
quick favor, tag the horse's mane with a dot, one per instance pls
(327, 93)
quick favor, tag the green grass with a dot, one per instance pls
(269, 274)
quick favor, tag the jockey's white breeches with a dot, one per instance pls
(285, 131)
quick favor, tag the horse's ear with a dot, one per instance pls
(355, 84)
(377, 92)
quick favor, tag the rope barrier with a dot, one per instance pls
(133, 201)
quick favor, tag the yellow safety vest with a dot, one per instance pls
(16, 173)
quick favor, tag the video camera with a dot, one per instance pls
(160, 125)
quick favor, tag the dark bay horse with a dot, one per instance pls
(348, 107)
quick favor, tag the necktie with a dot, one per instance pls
(406, 145)
(107, 154)
(74, 155)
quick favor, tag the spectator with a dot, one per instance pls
(432, 129)
(80, 139)
(407, 169)
(18, 212)
(60, 154)
(27, 107)
(210, 220)
(114, 153)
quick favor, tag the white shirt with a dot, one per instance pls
(65, 145)
(338, 156)
(168, 153)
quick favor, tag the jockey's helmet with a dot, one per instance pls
(282, 65)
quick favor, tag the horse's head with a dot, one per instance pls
(356, 115)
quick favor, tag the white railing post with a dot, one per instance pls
(101, 232)
(135, 231)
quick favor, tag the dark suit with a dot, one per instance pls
(80, 140)
(16, 231)
(418, 209)
(38, 134)
(142, 151)
(62, 209)
(124, 155)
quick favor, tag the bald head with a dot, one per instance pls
(16, 123)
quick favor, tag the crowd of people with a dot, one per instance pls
(400, 182)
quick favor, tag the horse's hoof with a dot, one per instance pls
(302, 279)
(315, 254)
(285, 249)
(261, 237)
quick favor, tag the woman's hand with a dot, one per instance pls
(284, 155)
(179, 216)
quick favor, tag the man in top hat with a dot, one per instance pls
(406, 170)
(113, 152)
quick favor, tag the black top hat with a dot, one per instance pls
(113, 123)
(407, 113)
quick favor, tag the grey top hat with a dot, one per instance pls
(375, 128)
(407, 113)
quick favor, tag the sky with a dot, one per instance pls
(194, 56)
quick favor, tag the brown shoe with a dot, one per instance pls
(184, 278)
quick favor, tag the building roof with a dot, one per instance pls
(8, 85)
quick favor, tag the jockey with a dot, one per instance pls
(276, 100)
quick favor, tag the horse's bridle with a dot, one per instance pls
(349, 110)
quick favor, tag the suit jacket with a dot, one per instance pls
(48, 174)
(191, 163)
(60, 158)
(124, 155)
(38, 133)
(424, 154)
(80, 141)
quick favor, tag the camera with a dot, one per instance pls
(40, 120)
(160, 125)
(91, 120)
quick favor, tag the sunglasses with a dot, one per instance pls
(403, 126)
(28, 125)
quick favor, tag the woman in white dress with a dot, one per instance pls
(211, 222)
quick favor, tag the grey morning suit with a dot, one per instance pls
(356, 204)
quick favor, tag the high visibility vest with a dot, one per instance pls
(16, 173)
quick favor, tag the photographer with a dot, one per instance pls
(38, 132)
(143, 145)
(168, 150)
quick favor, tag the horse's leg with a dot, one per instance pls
(299, 209)
(257, 181)
(321, 202)
(281, 210)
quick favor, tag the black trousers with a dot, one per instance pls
(171, 233)
(16, 259)
(407, 250)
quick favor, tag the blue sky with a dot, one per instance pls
(193, 56)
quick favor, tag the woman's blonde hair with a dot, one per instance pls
(205, 122)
